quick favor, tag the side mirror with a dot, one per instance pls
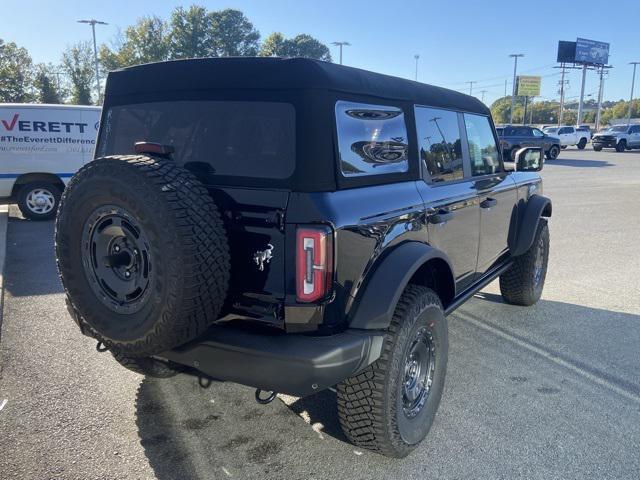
(529, 159)
(509, 166)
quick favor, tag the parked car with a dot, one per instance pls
(295, 225)
(514, 137)
(620, 137)
(570, 136)
(41, 147)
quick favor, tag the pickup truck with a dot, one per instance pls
(569, 136)
(620, 137)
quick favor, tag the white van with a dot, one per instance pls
(41, 147)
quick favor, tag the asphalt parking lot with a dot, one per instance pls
(551, 391)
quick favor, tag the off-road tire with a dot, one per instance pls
(518, 285)
(187, 245)
(54, 190)
(621, 146)
(149, 366)
(553, 152)
(582, 143)
(597, 148)
(370, 403)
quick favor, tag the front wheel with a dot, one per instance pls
(621, 146)
(582, 143)
(597, 148)
(523, 282)
(39, 200)
(389, 406)
(553, 152)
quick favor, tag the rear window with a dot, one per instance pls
(372, 139)
(248, 139)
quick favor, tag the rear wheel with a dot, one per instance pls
(621, 146)
(142, 254)
(39, 200)
(582, 143)
(389, 406)
(553, 152)
(523, 282)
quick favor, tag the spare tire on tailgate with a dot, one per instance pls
(142, 253)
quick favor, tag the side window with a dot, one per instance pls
(523, 132)
(537, 133)
(483, 150)
(440, 143)
(372, 139)
(564, 130)
(635, 129)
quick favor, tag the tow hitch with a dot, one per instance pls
(265, 400)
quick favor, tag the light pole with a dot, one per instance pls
(93, 22)
(417, 57)
(633, 81)
(340, 45)
(513, 94)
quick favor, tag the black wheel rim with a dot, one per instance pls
(538, 264)
(418, 373)
(117, 259)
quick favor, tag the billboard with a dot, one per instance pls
(528, 86)
(566, 52)
(592, 51)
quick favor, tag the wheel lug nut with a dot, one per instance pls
(116, 248)
(127, 273)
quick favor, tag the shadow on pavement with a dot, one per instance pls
(579, 163)
(30, 267)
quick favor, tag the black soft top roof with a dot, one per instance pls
(261, 73)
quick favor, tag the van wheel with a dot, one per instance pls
(142, 253)
(39, 200)
(389, 406)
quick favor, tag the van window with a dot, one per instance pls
(440, 143)
(483, 150)
(248, 139)
(372, 139)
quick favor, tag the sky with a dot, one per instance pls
(457, 40)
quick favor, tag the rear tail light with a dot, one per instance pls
(314, 263)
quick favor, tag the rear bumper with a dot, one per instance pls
(292, 364)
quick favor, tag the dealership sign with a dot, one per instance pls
(528, 86)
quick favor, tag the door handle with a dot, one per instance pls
(441, 216)
(488, 203)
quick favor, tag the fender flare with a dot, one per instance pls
(536, 207)
(387, 282)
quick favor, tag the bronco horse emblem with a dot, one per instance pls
(262, 257)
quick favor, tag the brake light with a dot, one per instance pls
(314, 263)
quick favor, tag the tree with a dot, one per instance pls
(190, 35)
(46, 87)
(302, 45)
(16, 73)
(77, 63)
(232, 34)
(145, 42)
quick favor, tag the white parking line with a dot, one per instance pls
(549, 356)
(3, 403)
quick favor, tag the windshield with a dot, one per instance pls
(550, 130)
(618, 128)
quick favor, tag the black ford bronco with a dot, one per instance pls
(295, 225)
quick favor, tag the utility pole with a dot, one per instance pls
(563, 67)
(340, 45)
(482, 92)
(471, 86)
(93, 24)
(417, 57)
(505, 88)
(633, 82)
(601, 70)
(513, 95)
(581, 104)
